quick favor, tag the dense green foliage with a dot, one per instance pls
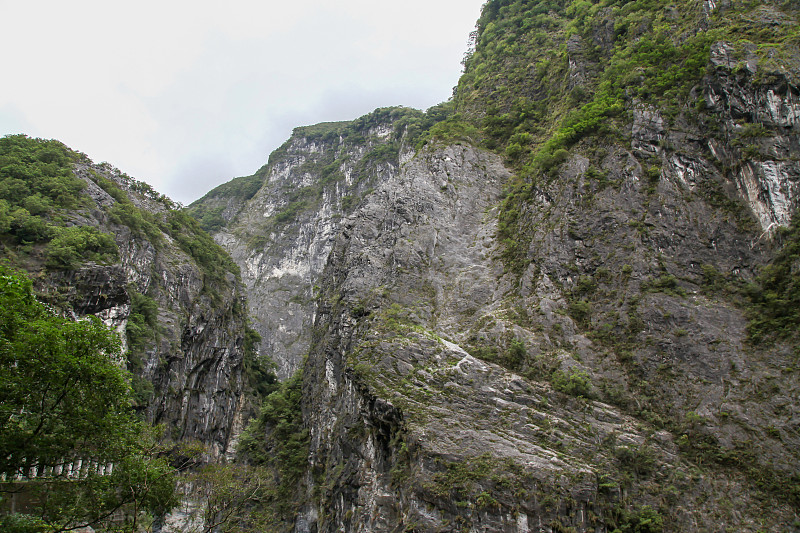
(278, 438)
(775, 311)
(39, 195)
(36, 175)
(281, 414)
(78, 404)
(233, 497)
(214, 261)
(58, 373)
(258, 370)
(37, 187)
(64, 399)
(641, 49)
(142, 331)
(142, 223)
(73, 245)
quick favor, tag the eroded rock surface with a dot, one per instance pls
(189, 368)
(551, 335)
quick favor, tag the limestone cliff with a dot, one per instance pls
(281, 233)
(544, 314)
(171, 293)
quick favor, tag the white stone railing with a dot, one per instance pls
(76, 469)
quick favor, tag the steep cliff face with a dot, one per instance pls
(281, 234)
(760, 117)
(170, 292)
(553, 316)
(195, 353)
(446, 393)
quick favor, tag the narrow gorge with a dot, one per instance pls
(565, 300)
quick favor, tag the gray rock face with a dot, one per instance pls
(763, 122)
(194, 362)
(583, 385)
(585, 381)
(558, 350)
(282, 236)
(410, 430)
(413, 268)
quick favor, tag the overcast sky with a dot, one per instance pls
(187, 95)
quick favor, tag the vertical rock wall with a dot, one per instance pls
(282, 235)
(193, 361)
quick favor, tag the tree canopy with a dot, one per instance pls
(69, 439)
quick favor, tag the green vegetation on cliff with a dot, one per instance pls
(69, 440)
(65, 219)
(278, 439)
(561, 90)
(775, 313)
(545, 75)
(214, 262)
(41, 200)
(37, 189)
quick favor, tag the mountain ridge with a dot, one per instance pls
(647, 160)
(565, 300)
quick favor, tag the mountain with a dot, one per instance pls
(566, 300)
(279, 224)
(97, 242)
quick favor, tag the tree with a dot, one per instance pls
(68, 435)
(235, 498)
(73, 245)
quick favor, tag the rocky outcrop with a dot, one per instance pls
(282, 235)
(762, 121)
(441, 389)
(188, 361)
(557, 339)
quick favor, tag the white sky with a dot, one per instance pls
(187, 95)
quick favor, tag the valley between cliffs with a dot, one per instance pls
(565, 300)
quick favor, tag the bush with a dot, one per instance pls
(277, 438)
(667, 284)
(575, 383)
(514, 151)
(28, 228)
(74, 245)
(36, 167)
(638, 459)
(214, 262)
(259, 371)
(515, 355)
(642, 519)
(580, 311)
(142, 328)
(548, 160)
(22, 523)
(141, 223)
